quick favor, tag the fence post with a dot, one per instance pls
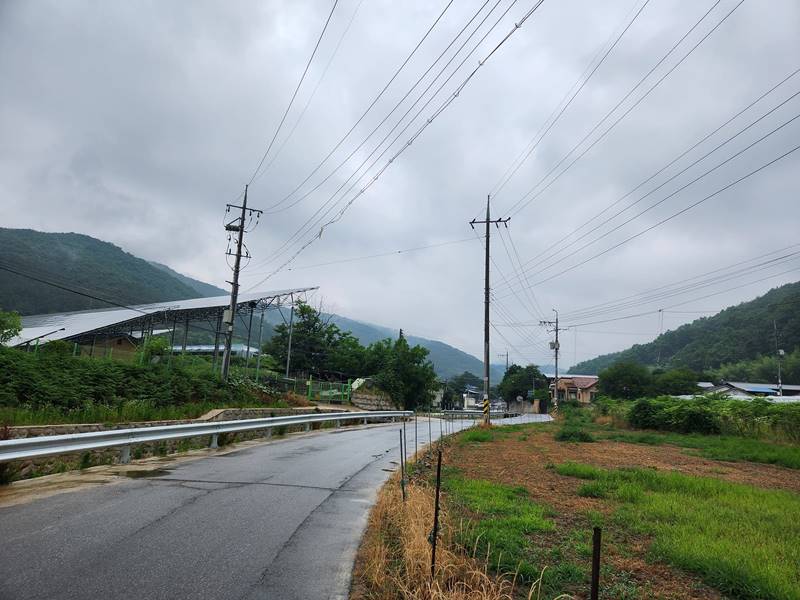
(214, 441)
(308, 384)
(435, 532)
(402, 468)
(596, 539)
(415, 433)
(125, 455)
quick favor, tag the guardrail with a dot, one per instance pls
(50, 445)
(476, 414)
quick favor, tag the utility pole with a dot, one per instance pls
(555, 347)
(236, 226)
(779, 352)
(506, 355)
(289, 349)
(488, 221)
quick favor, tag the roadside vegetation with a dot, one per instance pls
(697, 498)
(52, 386)
(394, 559)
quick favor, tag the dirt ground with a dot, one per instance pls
(524, 462)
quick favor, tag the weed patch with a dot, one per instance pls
(740, 539)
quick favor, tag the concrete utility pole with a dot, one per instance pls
(289, 349)
(555, 347)
(236, 226)
(779, 352)
(506, 355)
(488, 221)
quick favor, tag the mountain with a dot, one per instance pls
(81, 262)
(203, 289)
(737, 333)
(106, 271)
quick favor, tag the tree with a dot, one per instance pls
(10, 326)
(625, 380)
(402, 371)
(518, 381)
(315, 342)
(675, 382)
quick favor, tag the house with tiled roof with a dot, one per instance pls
(581, 388)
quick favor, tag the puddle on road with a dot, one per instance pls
(140, 473)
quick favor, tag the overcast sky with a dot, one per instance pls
(136, 122)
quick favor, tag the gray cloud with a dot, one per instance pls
(136, 122)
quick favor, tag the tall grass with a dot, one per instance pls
(719, 447)
(394, 560)
(740, 539)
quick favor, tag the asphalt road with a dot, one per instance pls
(280, 520)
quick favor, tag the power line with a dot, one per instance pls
(671, 293)
(424, 126)
(669, 164)
(378, 255)
(294, 95)
(363, 115)
(650, 312)
(674, 215)
(314, 91)
(566, 101)
(522, 202)
(659, 202)
(316, 217)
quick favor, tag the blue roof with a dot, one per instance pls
(758, 388)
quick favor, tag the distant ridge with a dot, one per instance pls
(737, 333)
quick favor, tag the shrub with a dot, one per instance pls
(573, 434)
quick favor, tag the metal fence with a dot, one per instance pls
(49, 445)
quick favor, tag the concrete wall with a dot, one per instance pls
(371, 401)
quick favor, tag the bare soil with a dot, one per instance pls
(524, 461)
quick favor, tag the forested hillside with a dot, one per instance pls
(81, 262)
(738, 333)
(106, 271)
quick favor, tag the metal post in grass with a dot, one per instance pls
(405, 447)
(415, 433)
(596, 538)
(402, 468)
(430, 436)
(435, 532)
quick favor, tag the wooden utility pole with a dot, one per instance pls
(488, 221)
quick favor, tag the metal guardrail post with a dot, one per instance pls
(214, 441)
(308, 426)
(337, 423)
(125, 455)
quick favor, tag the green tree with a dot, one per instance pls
(314, 341)
(518, 381)
(402, 371)
(675, 382)
(625, 380)
(10, 326)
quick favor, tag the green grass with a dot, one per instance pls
(127, 412)
(501, 520)
(740, 539)
(718, 447)
(570, 433)
(477, 435)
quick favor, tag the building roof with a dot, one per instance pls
(209, 348)
(753, 388)
(62, 326)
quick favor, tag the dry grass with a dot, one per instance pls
(395, 556)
